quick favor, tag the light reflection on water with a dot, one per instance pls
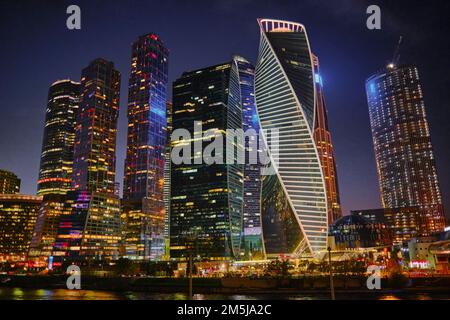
(55, 294)
(64, 294)
(389, 297)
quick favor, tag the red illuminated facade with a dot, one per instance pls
(92, 228)
(325, 149)
(96, 128)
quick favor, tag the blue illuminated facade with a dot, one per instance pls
(143, 190)
(253, 244)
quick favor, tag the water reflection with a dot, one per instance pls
(56, 294)
(389, 297)
(64, 294)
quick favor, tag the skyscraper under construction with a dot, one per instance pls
(404, 155)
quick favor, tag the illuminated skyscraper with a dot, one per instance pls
(207, 199)
(18, 215)
(401, 137)
(93, 205)
(55, 171)
(325, 149)
(253, 245)
(96, 128)
(294, 204)
(9, 182)
(167, 167)
(143, 190)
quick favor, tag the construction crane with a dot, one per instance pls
(396, 57)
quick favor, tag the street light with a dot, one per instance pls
(192, 237)
(190, 278)
(331, 275)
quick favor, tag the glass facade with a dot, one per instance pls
(207, 200)
(92, 228)
(322, 137)
(143, 191)
(282, 232)
(285, 101)
(404, 155)
(67, 244)
(46, 228)
(147, 90)
(167, 168)
(253, 244)
(55, 172)
(355, 232)
(96, 128)
(56, 168)
(403, 223)
(9, 182)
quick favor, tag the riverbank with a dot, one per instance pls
(307, 285)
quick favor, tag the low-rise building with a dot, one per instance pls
(18, 215)
(441, 255)
(430, 252)
(419, 255)
(403, 223)
(354, 232)
(9, 182)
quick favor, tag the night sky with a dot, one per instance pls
(37, 49)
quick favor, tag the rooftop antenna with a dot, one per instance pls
(396, 57)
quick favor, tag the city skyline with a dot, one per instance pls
(349, 192)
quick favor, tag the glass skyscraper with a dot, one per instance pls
(404, 155)
(167, 169)
(143, 192)
(294, 204)
(325, 148)
(206, 213)
(55, 173)
(92, 229)
(96, 128)
(253, 244)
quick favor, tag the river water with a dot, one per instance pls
(63, 294)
